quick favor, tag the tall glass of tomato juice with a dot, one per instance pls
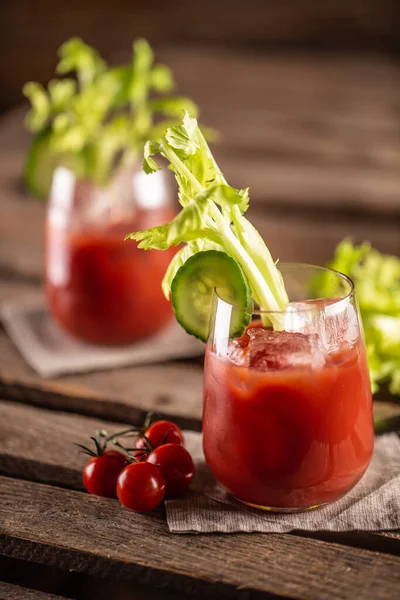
(287, 422)
(100, 288)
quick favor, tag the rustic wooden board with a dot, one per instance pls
(10, 289)
(31, 38)
(68, 530)
(51, 580)
(124, 394)
(304, 129)
(15, 592)
(300, 128)
(38, 444)
(293, 235)
(312, 134)
(318, 141)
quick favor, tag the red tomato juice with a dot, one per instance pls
(289, 438)
(103, 289)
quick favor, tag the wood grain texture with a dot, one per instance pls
(124, 395)
(305, 115)
(10, 289)
(15, 592)
(338, 154)
(294, 234)
(79, 586)
(312, 117)
(386, 542)
(38, 444)
(68, 529)
(334, 24)
(30, 36)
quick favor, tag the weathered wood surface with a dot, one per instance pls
(292, 235)
(27, 577)
(15, 592)
(30, 37)
(38, 444)
(67, 529)
(330, 122)
(317, 140)
(308, 136)
(126, 394)
(304, 129)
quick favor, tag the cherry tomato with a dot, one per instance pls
(176, 465)
(161, 432)
(101, 473)
(141, 487)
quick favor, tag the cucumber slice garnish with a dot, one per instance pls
(192, 292)
(41, 162)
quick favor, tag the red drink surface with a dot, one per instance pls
(103, 289)
(292, 436)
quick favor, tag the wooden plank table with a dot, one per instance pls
(67, 528)
(46, 519)
(15, 592)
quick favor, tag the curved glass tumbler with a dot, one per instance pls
(100, 288)
(287, 421)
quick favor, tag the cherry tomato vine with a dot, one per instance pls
(157, 465)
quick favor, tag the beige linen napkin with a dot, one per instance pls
(50, 351)
(373, 505)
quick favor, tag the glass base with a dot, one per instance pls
(278, 509)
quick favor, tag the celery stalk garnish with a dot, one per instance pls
(212, 216)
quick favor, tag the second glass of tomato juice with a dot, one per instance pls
(100, 288)
(288, 412)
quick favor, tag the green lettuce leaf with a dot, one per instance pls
(376, 278)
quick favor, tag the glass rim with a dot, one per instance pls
(332, 305)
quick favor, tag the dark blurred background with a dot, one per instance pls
(32, 31)
(306, 95)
